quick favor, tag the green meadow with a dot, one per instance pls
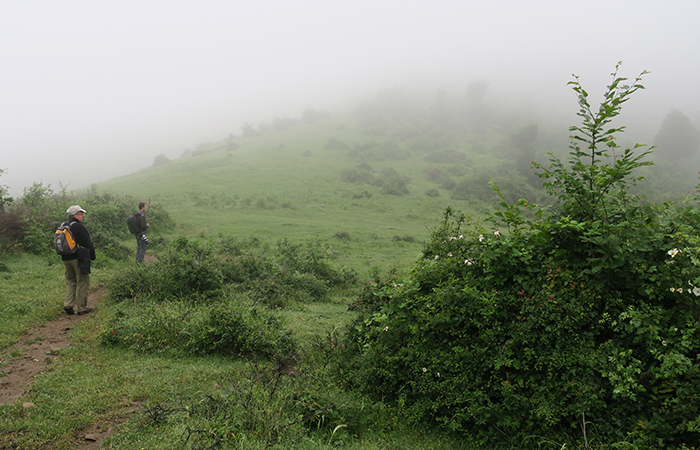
(285, 184)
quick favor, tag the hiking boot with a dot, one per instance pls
(68, 309)
(85, 311)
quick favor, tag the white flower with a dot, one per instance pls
(438, 374)
(449, 254)
(673, 252)
(386, 328)
(673, 289)
(468, 262)
(481, 238)
(497, 233)
(424, 369)
(696, 291)
(437, 256)
(680, 290)
(461, 236)
(663, 343)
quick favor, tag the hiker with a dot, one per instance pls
(78, 264)
(141, 239)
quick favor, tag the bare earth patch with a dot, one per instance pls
(39, 348)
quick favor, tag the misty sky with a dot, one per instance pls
(90, 90)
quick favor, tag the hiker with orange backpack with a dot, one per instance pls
(77, 263)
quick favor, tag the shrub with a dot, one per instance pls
(335, 144)
(392, 182)
(161, 160)
(315, 259)
(342, 235)
(187, 269)
(586, 315)
(232, 328)
(207, 269)
(357, 176)
(435, 175)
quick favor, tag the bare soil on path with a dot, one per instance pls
(39, 349)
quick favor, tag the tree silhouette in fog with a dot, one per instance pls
(677, 138)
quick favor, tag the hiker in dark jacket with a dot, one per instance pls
(78, 264)
(141, 238)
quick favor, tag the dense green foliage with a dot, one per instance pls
(29, 224)
(577, 324)
(216, 296)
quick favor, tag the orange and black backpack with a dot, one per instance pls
(63, 240)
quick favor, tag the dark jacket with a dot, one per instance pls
(82, 237)
(143, 225)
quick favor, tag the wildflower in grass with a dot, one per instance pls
(437, 256)
(450, 255)
(386, 328)
(696, 291)
(481, 238)
(468, 262)
(680, 290)
(663, 343)
(424, 370)
(673, 289)
(673, 252)
(496, 233)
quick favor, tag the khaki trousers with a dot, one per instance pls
(77, 286)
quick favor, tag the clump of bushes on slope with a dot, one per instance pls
(231, 327)
(579, 327)
(389, 180)
(208, 269)
(215, 296)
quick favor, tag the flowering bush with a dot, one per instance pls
(577, 326)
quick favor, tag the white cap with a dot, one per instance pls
(75, 209)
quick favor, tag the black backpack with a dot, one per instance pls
(134, 223)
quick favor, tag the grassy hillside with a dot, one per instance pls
(230, 343)
(284, 183)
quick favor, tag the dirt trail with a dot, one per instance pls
(39, 348)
